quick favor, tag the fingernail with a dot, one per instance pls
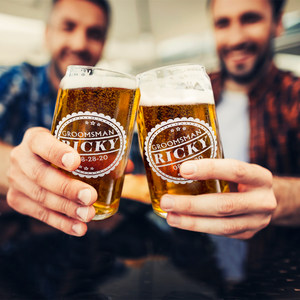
(167, 203)
(85, 196)
(188, 168)
(174, 219)
(83, 212)
(68, 159)
(77, 229)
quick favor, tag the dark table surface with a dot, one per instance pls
(136, 255)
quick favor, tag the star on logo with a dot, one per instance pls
(92, 123)
(178, 128)
(86, 122)
(80, 167)
(172, 130)
(92, 168)
(86, 168)
(183, 128)
(98, 124)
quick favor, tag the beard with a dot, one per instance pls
(245, 77)
(58, 72)
(84, 57)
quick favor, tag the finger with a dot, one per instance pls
(226, 169)
(24, 205)
(241, 226)
(220, 204)
(49, 178)
(52, 201)
(41, 142)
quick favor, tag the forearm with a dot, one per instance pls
(5, 150)
(287, 193)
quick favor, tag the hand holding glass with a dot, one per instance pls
(177, 122)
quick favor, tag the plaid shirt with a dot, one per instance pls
(27, 99)
(274, 105)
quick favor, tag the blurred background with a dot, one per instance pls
(144, 34)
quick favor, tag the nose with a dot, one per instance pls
(236, 35)
(78, 41)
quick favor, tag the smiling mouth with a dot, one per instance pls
(239, 53)
(79, 58)
(76, 61)
(239, 56)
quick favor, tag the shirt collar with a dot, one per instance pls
(262, 86)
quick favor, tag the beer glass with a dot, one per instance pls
(177, 122)
(95, 114)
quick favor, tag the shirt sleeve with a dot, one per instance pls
(13, 83)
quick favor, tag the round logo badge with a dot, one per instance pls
(100, 140)
(173, 142)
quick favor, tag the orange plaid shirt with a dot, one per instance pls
(274, 107)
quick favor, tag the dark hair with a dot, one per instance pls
(277, 6)
(103, 4)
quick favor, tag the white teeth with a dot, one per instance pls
(238, 54)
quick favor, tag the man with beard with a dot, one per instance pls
(75, 35)
(258, 108)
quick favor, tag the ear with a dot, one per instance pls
(279, 26)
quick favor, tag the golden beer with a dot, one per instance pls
(176, 125)
(97, 119)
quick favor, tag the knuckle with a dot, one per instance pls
(265, 222)
(188, 205)
(14, 155)
(191, 224)
(64, 208)
(43, 215)
(39, 195)
(11, 198)
(225, 205)
(212, 167)
(39, 172)
(271, 205)
(269, 178)
(30, 135)
(239, 170)
(65, 186)
(52, 152)
(229, 227)
(10, 177)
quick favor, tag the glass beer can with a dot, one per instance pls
(95, 114)
(177, 122)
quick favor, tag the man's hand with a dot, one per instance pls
(39, 190)
(237, 214)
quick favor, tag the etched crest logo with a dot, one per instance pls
(173, 142)
(100, 140)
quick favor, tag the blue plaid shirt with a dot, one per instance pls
(27, 99)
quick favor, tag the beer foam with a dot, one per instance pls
(156, 97)
(77, 82)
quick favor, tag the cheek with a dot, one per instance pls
(260, 35)
(57, 43)
(221, 39)
(96, 49)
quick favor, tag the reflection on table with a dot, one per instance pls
(136, 255)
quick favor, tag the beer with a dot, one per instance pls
(95, 114)
(176, 125)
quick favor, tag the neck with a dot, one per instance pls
(231, 85)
